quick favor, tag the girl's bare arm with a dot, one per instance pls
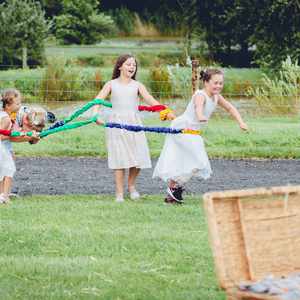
(105, 91)
(147, 96)
(232, 111)
(199, 104)
(151, 101)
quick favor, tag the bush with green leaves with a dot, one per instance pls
(124, 20)
(180, 78)
(59, 82)
(65, 83)
(23, 29)
(93, 60)
(81, 23)
(160, 83)
(279, 94)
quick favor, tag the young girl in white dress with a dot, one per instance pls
(11, 102)
(126, 150)
(184, 155)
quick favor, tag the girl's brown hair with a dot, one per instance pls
(206, 75)
(120, 61)
(8, 96)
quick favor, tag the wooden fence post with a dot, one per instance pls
(195, 66)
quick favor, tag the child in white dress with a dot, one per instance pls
(126, 150)
(11, 103)
(184, 155)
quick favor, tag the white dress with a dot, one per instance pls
(184, 155)
(7, 164)
(126, 149)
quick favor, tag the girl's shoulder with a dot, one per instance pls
(199, 93)
(3, 114)
(5, 120)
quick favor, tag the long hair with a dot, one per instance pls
(206, 75)
(120, 61)
(8, 96)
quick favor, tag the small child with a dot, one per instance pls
(126, 150)
(11, 103)
(183, 156)
(11, 100)
(31, 118)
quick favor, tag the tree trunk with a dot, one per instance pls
(24, 57)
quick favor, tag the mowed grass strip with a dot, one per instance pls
(89, 247)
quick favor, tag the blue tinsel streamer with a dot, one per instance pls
(137, 128)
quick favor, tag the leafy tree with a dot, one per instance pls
(52, 7)
(229, 25)
(80, 23)
(23, 28)
(274, 45)
(124, 20)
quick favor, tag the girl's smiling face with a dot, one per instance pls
(15, 105)
(128, 69)
(215, 84)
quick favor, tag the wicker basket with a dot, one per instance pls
(254, 233)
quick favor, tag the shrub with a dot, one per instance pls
(93, 61)
(124, 20)
(280, 94)
(160, 84)
(59, 82)
(180, 78)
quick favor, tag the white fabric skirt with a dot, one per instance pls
(7, 164)
(125, 148)
(183, 156)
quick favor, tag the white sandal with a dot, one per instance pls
(3, 199)
(119, 198)
(134, 195)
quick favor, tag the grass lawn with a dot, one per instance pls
(269, 137)
(89, 247)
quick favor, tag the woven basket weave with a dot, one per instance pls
(253, 233)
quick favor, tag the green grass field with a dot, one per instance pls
(89, 247)
(269, 137)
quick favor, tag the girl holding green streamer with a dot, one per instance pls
(126, 150)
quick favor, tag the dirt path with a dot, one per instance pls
(91, 176)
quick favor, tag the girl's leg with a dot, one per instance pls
(133, 173)
(119, 181)
(7, 183)
(1, 186)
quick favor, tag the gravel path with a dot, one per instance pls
(91, 176)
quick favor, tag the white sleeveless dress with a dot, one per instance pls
(7, 164)
(184, 155)
(126, 149)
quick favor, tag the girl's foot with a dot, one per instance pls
(4, 199)
(170, 200)
(134, 194)
(176, 193)
(119, 198)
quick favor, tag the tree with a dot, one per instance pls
(229, 25)
(189, 22)
(23, 29)
(80, 23)
(274, 45)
